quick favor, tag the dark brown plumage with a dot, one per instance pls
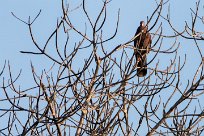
(142, 43)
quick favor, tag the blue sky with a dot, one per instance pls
(14, 35)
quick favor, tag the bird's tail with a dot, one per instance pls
(142, 67)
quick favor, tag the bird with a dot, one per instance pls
(142, 44)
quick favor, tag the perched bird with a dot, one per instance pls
(142, 44)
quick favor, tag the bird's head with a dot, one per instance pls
(142, 23)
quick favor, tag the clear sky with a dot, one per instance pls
(14, 35)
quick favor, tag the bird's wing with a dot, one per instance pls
(137, 38)
(147, 42)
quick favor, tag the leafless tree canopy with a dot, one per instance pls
(100, 93)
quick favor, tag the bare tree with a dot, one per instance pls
(103, 95)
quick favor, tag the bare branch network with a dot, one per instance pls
(100, 93)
